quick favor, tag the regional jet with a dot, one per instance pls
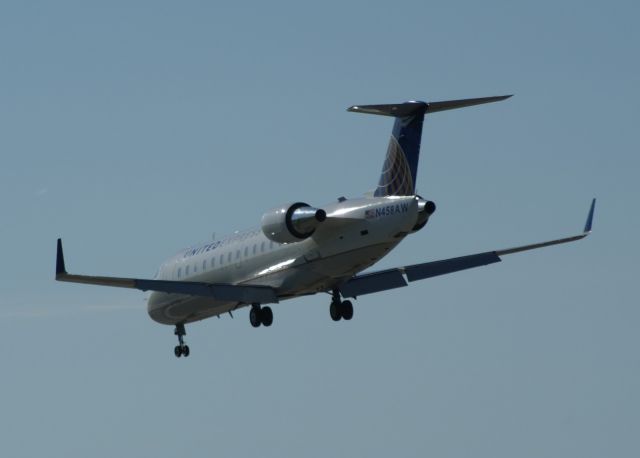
(300, 250)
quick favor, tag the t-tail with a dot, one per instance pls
(398, 177)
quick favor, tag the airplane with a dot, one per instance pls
(301, 250)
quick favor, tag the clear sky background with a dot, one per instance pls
(134, 129)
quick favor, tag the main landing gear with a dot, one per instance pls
(260, 315)
(182, 349)
(340, 309)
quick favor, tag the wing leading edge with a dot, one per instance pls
(395, 278)
(222, 292)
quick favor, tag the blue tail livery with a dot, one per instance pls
(398, 176)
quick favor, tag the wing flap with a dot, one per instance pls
(373, 283)
(447, 266)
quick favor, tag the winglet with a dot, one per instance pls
(589, 223)
(60, 269)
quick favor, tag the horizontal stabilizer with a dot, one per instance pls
(401, 110)
(397, 110)
(453, 104)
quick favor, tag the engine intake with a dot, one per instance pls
(291, 222)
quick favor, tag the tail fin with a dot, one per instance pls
(398, 177)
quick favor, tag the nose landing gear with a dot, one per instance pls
(182, 349)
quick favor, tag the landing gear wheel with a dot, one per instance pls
(254, 317)
(346, 310)
(266, 316)
(181, 349)
(334, 311)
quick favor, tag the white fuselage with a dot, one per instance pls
(356, 234)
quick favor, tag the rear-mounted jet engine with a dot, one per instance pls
(426, 208)
(291, 222)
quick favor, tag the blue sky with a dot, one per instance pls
(133, 129)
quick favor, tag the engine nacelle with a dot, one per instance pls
(291, 222)
(426, 208)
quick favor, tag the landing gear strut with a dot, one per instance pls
(260, 315)
(340, 309)
(181, 349)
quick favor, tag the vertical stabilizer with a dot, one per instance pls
(398, 176)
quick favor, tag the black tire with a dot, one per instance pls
(334, 311)
(254, 317)
(346, 310)
(266, 316)
(177, 351)
(185, 350)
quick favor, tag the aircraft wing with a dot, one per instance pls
(222, 292)
(395, 278)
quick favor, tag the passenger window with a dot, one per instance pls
(213, 262)
(195, 268)
(237, 254)
(221, 259)
(179, 272)
(229, 257)
(262, 247)
(271, 245)
(204, 265)
(186, 271)
(246, 251)
(254, 248)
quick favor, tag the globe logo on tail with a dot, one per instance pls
(395, 179)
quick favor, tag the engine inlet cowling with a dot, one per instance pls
(291, 222)
(426, 208)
